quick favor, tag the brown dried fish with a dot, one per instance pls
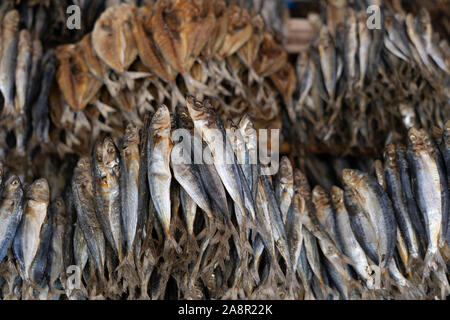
(112, 37)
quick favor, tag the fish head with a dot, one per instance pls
(25, 38)
(82, 172)
(351, 16)
(161, 123)
(11, 20)
(183, 119)
(320, 198)
(58, 208)
(416, 140)
(13, 188)
(446, 133)
(424, 19)
(199, 112)
(352, 178)
(110, 154)
(39, 191)
(390, 155)
(131, 136)
(286, 171)
(301, 185)
(337, 196)
(247, 127)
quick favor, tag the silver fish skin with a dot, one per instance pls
(40, 268)
(185, 172)
(312, 254)
(294, 228)
(87, 217)
(393, 49)
(129, 184)
(263, 218)
(24, 60)
(249, 134)
(106, 175)
(10, 39)
(204, 119)
(159, 146)
(278, 229)
(365, 41)
(351, 45)
(350, 245)
(425, 30)
(28, 235)
(189, 210)
(396, 35)
(305, 74)
(80, 249)
(395, 191)
(40, 111)
(406, 178)
(325, 214)
(327, 245)
(416, 40)
(434, 151)
(284, 188)
(305, 273)
(328, 61)
(58, 211)
(206, 172)
(427, 188)
(445, 147)
(35, 71)
(241, 151)
(377, 206)
(11, 210)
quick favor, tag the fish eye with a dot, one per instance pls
(12, 203)
(14, 182)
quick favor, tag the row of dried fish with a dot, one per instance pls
(360, 85)
(138, 58)
(137, 222)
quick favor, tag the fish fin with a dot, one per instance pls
(433, 262)
(127, 270)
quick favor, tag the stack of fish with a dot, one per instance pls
(25, 81)
(140, 218)
(137, 58)
(361, 84)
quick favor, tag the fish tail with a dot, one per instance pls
(127, 269)
(8, 110)
(433, 262)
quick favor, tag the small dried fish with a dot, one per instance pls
(159, 146)
(31, 231)
(10, 38)
(11, 210)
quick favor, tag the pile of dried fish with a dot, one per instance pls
(360, 86)
(141, 219)
(138, 58)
